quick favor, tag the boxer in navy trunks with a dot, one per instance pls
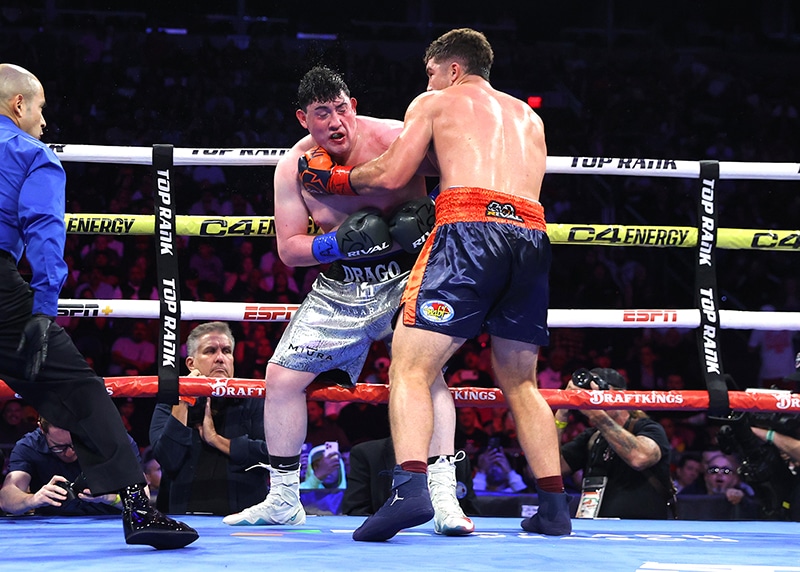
(508, 289)
(485, 265)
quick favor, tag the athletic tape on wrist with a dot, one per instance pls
(325, 248)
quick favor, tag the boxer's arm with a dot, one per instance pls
(291, 213)
(400, 162)
(427, 168)
(15, 497)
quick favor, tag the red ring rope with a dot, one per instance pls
(688, 400)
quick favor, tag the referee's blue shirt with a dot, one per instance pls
(32, 189)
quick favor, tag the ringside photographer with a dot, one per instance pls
(768, 445)
(44, 477)
(624, 456)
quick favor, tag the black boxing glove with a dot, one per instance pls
(412, 224)
(33, 344)
(363, 234)
(319, 174)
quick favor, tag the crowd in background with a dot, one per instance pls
(693, 93)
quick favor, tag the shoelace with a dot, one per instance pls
(444, 483)
(266, 466)
(445, 501)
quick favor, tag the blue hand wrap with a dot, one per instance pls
(325, 248)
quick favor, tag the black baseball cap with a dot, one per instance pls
(611, 376)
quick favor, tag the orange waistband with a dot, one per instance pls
(472, 204)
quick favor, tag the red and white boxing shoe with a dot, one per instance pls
(448, 518)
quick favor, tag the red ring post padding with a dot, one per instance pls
(690, 400)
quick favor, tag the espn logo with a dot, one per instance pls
(269, 313)
(88, 310)
(650, 316)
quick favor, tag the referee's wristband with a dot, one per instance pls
(325, 248)
(770, 436)
(561, 424)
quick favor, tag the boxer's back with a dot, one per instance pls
(485, 138)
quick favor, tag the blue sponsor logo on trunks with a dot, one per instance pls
(500, 210)
(437, 311)
(377, 273)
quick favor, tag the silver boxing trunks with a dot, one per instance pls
(350, 306)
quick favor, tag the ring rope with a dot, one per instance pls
(687, 400)
(708, 172)
(185, 225)
(556, 318)
(576, 234)
(623, 166)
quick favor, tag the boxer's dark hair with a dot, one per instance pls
(320, 84)
(468, 46)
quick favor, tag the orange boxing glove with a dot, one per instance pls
(319, 174)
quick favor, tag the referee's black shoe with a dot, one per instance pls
(143, 524)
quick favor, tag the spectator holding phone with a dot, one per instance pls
(495, 473)
(321, 428)
(326, 468)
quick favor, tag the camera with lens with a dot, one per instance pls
(583, 378)
(761, 466)
(70, 488)
(780, 422)
(73, 488)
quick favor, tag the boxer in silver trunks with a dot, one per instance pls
(347, 310)
(340, 318)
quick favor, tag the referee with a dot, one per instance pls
(37, 357)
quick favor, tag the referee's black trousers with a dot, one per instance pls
(67, 392)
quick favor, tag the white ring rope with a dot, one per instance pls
(246, 311)
(589, 318)
(632, 166)
(260, 156)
